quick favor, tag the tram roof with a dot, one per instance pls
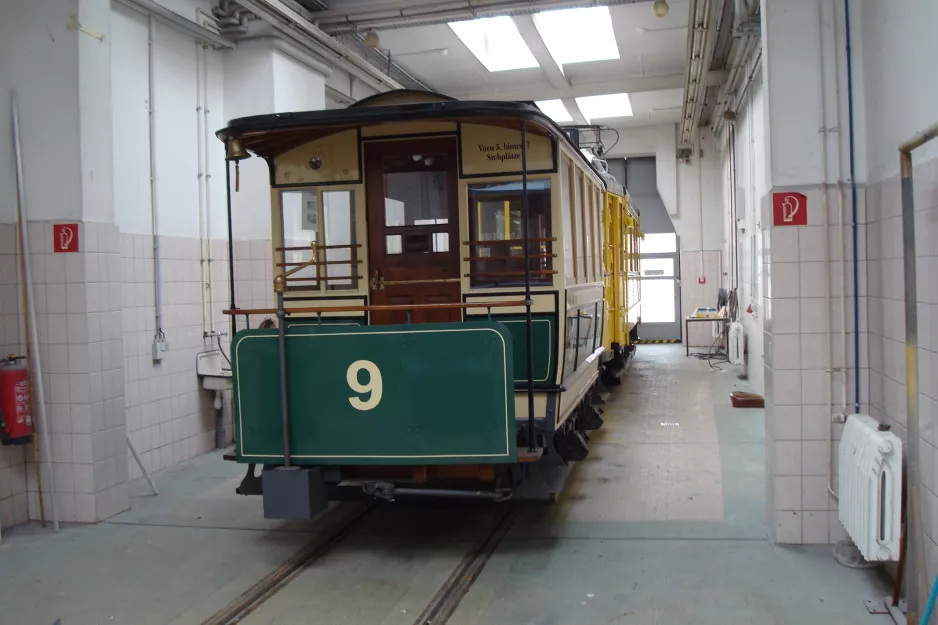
(270, 135)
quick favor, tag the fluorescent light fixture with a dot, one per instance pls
(496, 42)
(578, 35)
(605, 106)
(555, 110)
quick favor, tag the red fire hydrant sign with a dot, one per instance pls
(789, 209)
(65, 238)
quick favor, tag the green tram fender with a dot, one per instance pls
(403, 394)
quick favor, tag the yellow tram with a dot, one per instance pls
(451, 280)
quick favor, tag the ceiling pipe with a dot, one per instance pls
(442, 12)
(699, 52)
(297, 28)
(743, 70)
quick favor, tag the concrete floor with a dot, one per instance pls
(663, 524)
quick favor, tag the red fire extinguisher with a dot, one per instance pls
(15, 415)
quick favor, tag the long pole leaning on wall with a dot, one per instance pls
(39, 402)
(917, 584)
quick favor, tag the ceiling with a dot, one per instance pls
(650, 68)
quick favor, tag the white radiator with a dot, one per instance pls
(737, 343)
(870, 487)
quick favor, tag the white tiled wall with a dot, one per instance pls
(78, 319)
(169, 417)
(254, 277)
(886, 302)
(13, 498)
(804, 386)
(96, 323)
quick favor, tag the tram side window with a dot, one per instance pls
(339, 240)
(567, 194)
(327, 220)
(300, 223)
(497, 253)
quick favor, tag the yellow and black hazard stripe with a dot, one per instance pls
(655, 341)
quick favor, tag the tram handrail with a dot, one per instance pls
(375, 308)
(513, 241)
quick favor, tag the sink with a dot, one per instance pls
(213, 370)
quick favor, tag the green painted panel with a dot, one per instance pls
(405, 394)
(326, 321)
(544, 329)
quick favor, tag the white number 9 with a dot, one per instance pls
(372, 386)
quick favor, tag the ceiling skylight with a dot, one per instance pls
(578, 35)
(605, 106)
(555, 110)
(496, 42)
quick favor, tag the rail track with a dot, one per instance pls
(437, 612)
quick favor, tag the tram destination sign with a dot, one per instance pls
(497, 150)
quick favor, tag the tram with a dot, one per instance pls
(450, 281)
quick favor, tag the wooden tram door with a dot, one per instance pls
(413, 227)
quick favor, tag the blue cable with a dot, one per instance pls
(853, 194)
(930, 606)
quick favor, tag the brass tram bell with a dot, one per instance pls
(236, 151)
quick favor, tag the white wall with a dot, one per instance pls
(260, 80)
(34, 40)
(899, 52)
(680, 184)
(296, 87)
(344, 83)
(749, 190)
(176, 58)
(249, 72)
(804, 56)
(698, 220)
(657, 141)
(94, 102)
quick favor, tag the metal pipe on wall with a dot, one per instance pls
(39, 403)
(154, 180)
(207, 168)
(853, 199)
(828, 351)
(917, 582)
(843, 369)
(199, 119)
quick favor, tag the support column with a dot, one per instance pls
(811, 338)
(57, 57)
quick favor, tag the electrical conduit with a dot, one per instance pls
(154, 182)
(853, 199)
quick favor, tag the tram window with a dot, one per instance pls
(300, 222)
(324, 219)
(495, 224)
(339, 226)
(579, 230)
(566, 195)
